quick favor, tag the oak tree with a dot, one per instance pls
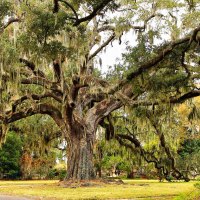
(49, 53)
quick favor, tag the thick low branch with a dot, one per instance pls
(131, 138)
(101, 110)
(176, 173)
(44, 83)
(31, 67)
(148, 156)
(36, 109)
(34, 97)
(172, 100)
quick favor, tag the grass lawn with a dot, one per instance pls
(133, 189)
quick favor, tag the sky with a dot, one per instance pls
(113, 53)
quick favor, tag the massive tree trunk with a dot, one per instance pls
(81, 133)
(80, 160)
(80, 155)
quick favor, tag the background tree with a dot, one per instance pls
(10, 154)
(189, 144)
(47, 67)
(30, 151)
(112, 159)
(40, 146)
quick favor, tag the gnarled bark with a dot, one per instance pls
(80, 158)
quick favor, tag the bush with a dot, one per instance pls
(62, 175)
(51, 174)
(57, 174)
(198, 179)
(197, 185)
(10, 155)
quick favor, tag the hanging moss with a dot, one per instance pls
(3, 131)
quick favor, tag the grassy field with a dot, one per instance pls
(133, 189)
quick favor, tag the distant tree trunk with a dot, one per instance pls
(113, 170)
(99, 172)
(130, 175)
(26, 165)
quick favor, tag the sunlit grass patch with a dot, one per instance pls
(27, 182)
(132, 189)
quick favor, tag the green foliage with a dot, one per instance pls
(42, 29)
(111, 158)
(8, 51)
(57, 174)
(39, 136)
(39, 146)
(4, 10)
(10, 154)
(197, 185)
(189, 147)
(194, 114)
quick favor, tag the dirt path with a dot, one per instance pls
(6, 197)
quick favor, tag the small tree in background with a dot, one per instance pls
(10, 155)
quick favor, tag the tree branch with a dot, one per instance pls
(172, 100)
(164, 51)
(31, 67)
(176, 173)
(8, 23)
(102, 46)
(73, 94)
(90, 80)
(71, 7)
(193, 37)
(101, 110)
(44, 83)
(106, 28)
(146, 21)
(189, 95)
(94, 12)
(149, 64)
(36, 109)
(34, 97)
(148, 156)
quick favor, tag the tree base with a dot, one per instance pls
(89, 183)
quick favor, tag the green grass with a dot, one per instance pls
(133, 189)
